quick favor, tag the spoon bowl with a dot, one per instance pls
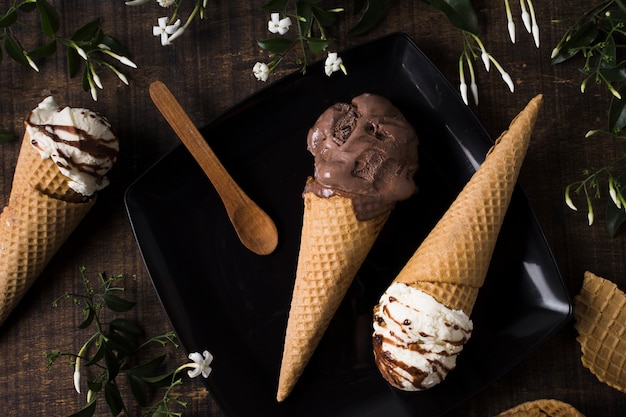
(253, 226)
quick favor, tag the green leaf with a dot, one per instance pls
(44, 50)
(159, 380)
(318, 45)
(91, 314)
(9, 18)
(27, 6)
(6, 136)
(616, 216)
(583, 36)
(276, 45)
(119, 344)
(86, 411)
(139, 388)
(73, 62)
(126, 326)
(94, 386)
(275, 5)
(324, 17)
(460, 13)
(305, 11)
(374, 12)
(14, 49)
(113, 398)
(87, 32)
(50, 21)
(617, 111)
(116, 303)
(148, 367)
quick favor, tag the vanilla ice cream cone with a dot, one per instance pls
(600, 313)
(450, 267)
(43, 207)
(334, 244)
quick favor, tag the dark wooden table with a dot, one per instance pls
(210, 69)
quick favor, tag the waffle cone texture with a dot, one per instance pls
(542, 408)
(41, 213)
(452, 262)
(333, 246)
(600, 315)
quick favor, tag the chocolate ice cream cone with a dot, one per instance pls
(542, 408)
(600, 313)
(42, 212)
(334, 244)
(452, 262)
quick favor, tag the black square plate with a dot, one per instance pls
(223, 298)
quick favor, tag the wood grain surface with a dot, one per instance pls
(209, 70)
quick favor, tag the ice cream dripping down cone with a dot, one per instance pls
(365, 159)
(62, 161)
(422, 320)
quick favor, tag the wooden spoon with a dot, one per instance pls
(255, 228)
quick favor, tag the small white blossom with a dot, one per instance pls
(569, 202)
(178, 32)
(200, 364)
(613, 193)
(164, 30)
(77, 379)
(31, 62)
(278, 25)
(534, 26)
(166, 3)
(333, 63)
(509, 19)
(261, 71)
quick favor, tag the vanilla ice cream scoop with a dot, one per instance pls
(79, 141)
(416, 338)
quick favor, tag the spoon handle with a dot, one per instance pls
(193, 140)
(253, 226)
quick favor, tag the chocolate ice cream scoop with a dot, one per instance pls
(366, 151)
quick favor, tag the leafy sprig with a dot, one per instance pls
(599, 37)
(88, 45)
(112, 352)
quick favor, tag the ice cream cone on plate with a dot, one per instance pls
(429, 303)
(44, 206)
(542, 408)
(365, 159)
(600, 313)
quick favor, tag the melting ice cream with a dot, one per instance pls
(416, 338)
(79, 141)
(365, 150)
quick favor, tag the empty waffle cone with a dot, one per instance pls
(542, 408)
(600, 314)
(452, 262)
(333, 246)
(42, 212)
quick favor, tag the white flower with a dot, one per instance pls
(333, 63)
(278, 25)
(200, 364)
(164, 30)
(77, 379)
(166, 3)
(261, 71)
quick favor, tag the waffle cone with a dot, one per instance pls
(42, 212)
(542, 408)
(452, 262)
(600, 314)
(333, 246)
